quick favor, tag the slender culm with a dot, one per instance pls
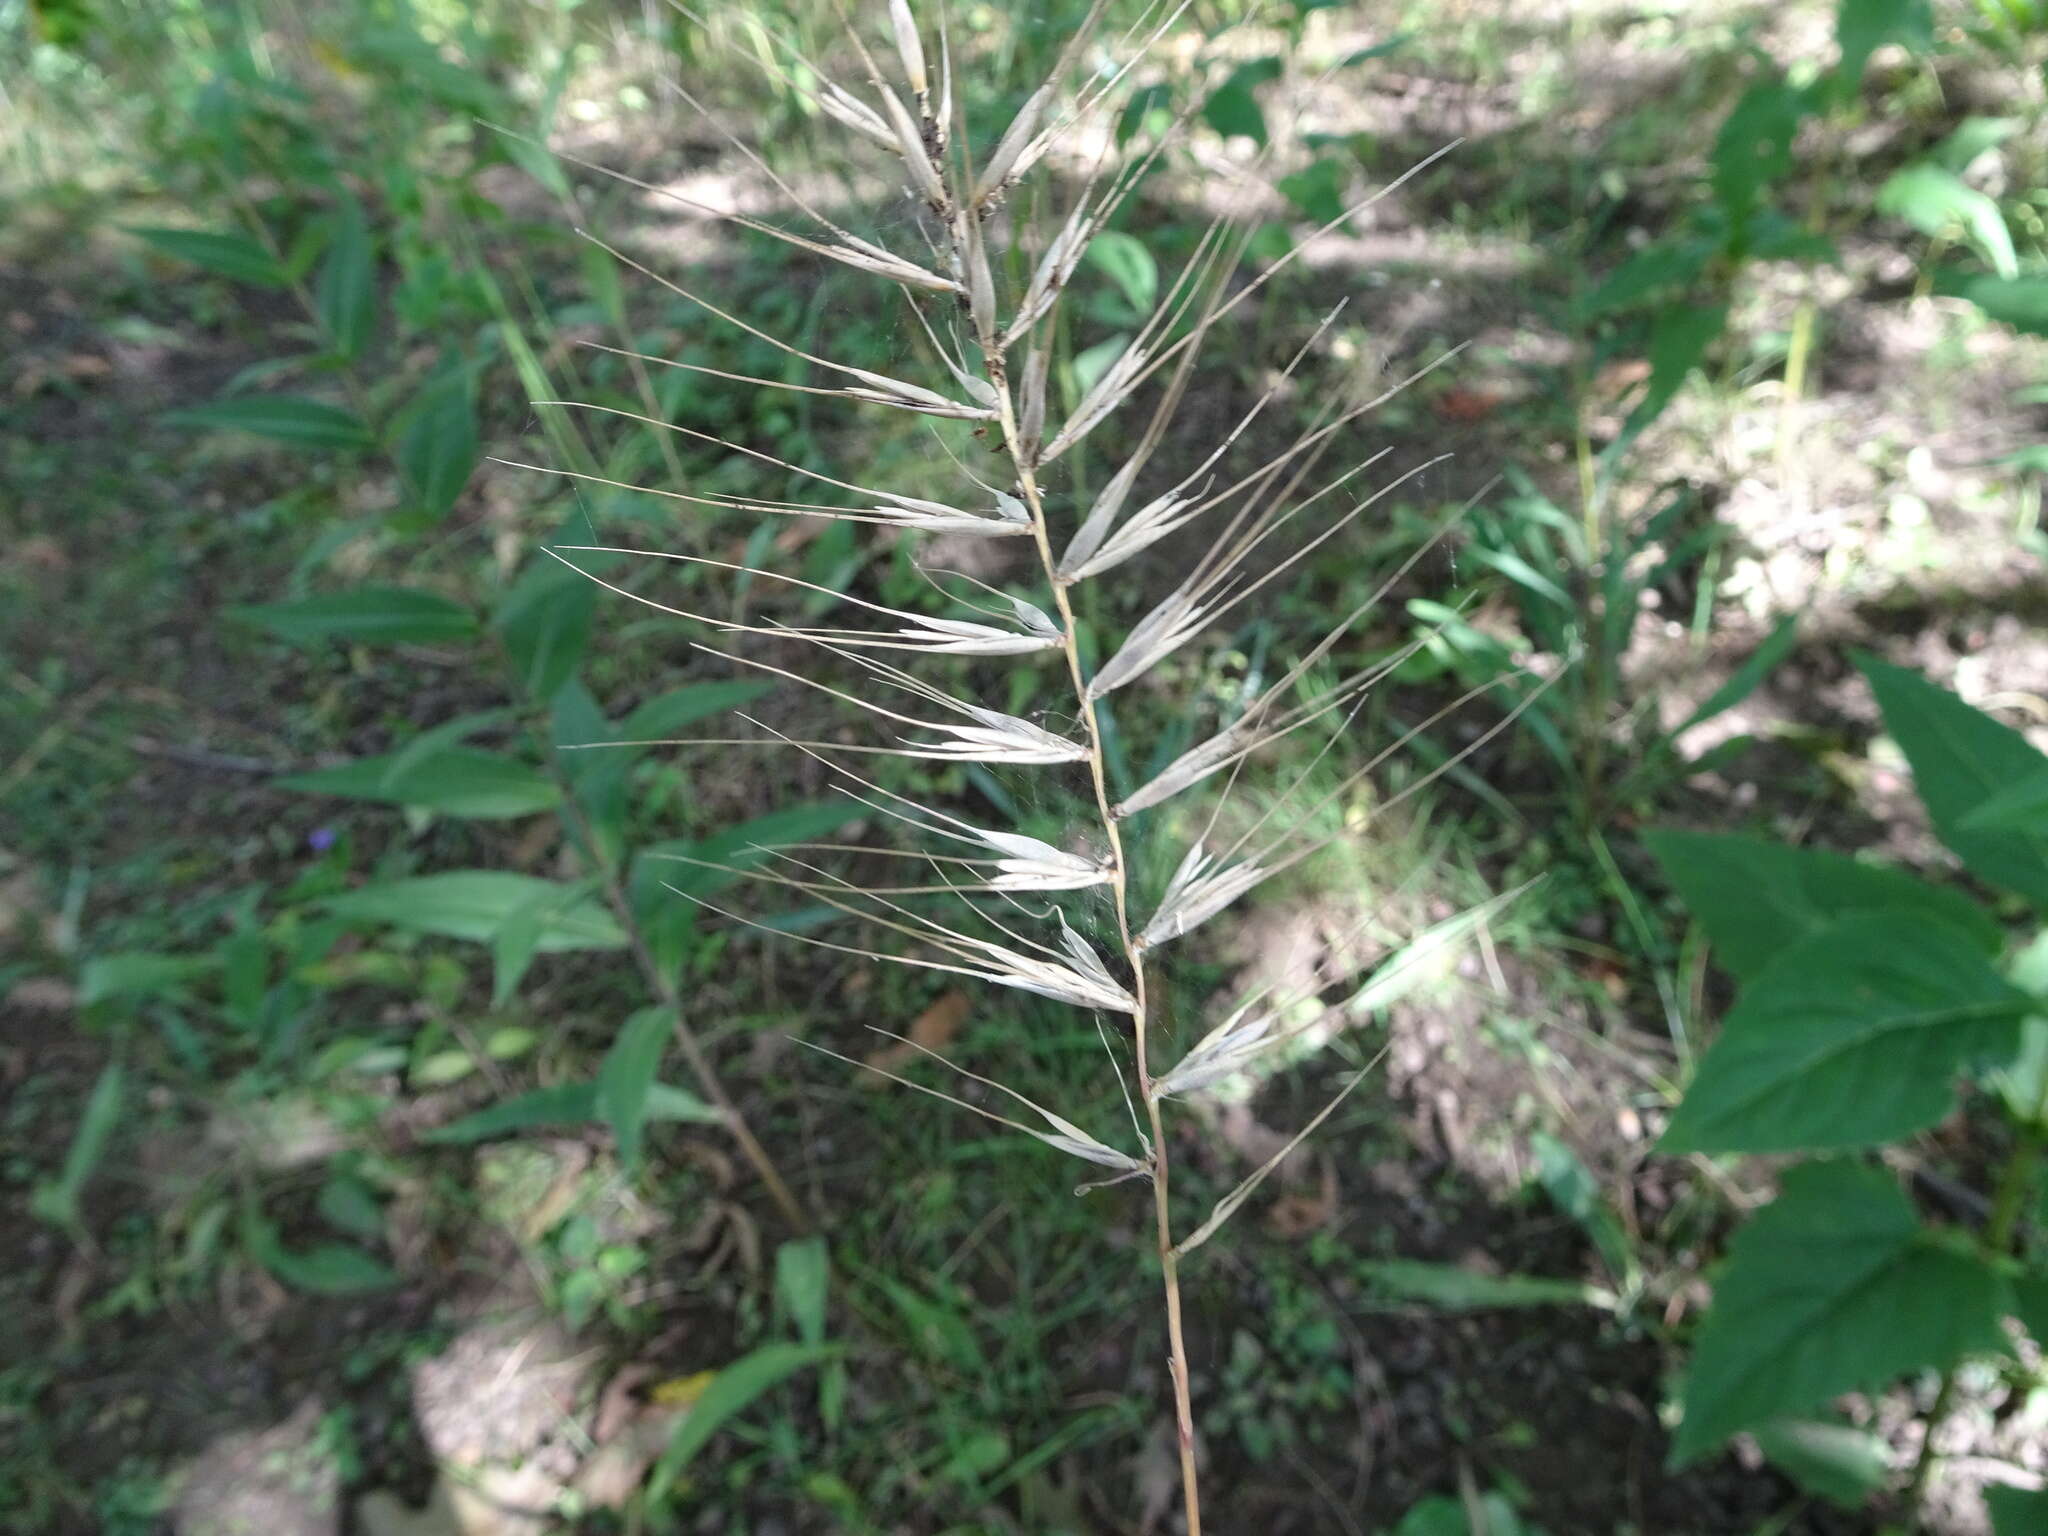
(994, 344)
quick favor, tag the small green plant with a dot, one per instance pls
(1865, 994)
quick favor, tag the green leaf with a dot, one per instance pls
(2017, 1511)
(401, 53)
(1755, 898)
(349, 1205)
(1574, 1191)
(138, 973)
(730, 1392)
(1754, 146)
(1092, 363)
(1864, 26)
(437, 451)
(287, 418)
(234, 256)
(1145, 103)
(545, 621)
(1832, 1288)
(1852, 1036)
(325, 1269)
(567, 1104)
(803, 1277)
(345, 294)
(2020, 302)
(1830, 1460)
(1748, 677)
(671, 711)
(1126, 261)
(1233, 108)
(2022, 806)
(938, 1331)
(517, 940)
(458, 781)
(1317, 189)
(1649, 273)
(473, 904)
(56, 1201)
(659, 871)
(377, 615)
(1938, 202)
(1455, 1289)
(2030, 1303)
(625, 1077)
(1961, 757)
(1678, 344)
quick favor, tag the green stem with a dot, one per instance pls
(664, 988)
(2008, 1203)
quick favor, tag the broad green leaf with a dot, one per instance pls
(1454, 1289)
(381, 615)
(437, 451)
(436, 739)
(345, 294)
(2022, 807)
(1755, 898)
(1834, 1287)
(458, 781)
(517, 940)
(350, 1205)
(139, 973)
(325, 1269)
(1151, 104)
(567, 1104)
(1093, 362)
(56, 1200)
(1961, 757)
(2017, 1511)
(1649, 273)
(545, 621)
(1233, 108)
(730, 1392)
(1746, 679)
(411, 60)
(626, 1075)
(1830, 1460)
(2030, 1303)
(473, 904)
(1754, 146)
(1128, 264)
(1317, 190)
(234, 256)
(1489, 1514)
(287, 418)
(671, 711)
(1864, 26)
(1852, 1036)
(2020, 302)
(1937, 202)
(1679, 339)
(803, 1276)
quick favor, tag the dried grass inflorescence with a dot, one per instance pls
(994, 344)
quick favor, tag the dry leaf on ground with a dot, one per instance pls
(935, 1029)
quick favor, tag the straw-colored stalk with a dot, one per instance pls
(997, 378)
